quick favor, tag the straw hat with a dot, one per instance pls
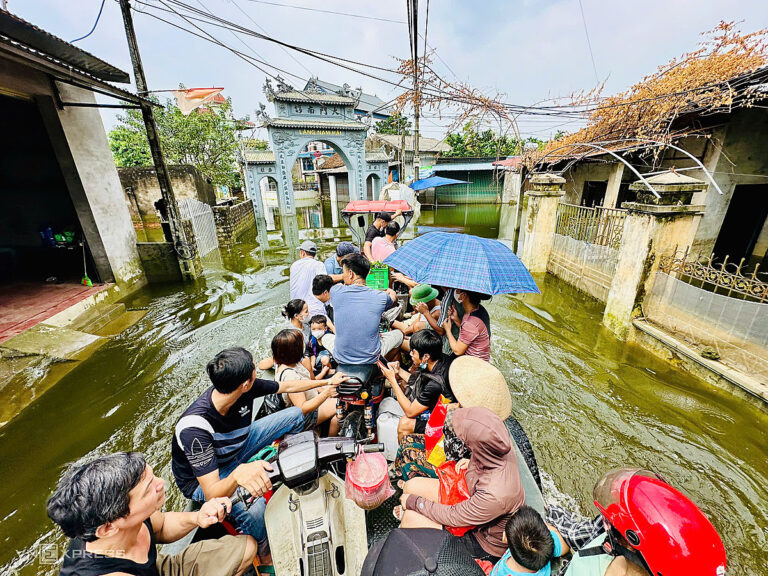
(475, 382)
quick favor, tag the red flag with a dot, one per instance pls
(188, 100)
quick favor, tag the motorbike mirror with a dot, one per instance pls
(361, 221)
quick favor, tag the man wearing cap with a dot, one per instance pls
(303, 271)
(333, 262)
(376, 230)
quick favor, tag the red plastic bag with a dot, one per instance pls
(367, 482)
(453, 490)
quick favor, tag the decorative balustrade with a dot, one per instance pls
(598, 225)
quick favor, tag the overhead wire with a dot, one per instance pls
(98, 16)
(589, 43)
(362, 16)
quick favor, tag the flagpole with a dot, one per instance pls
(181, 246)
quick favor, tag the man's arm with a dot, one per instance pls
(172, 526)
(367, 250)
(304, 385)
(252, 476)
(411, 409)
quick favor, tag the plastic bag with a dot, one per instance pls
(367, 482)
(433, 435)
(453, 490)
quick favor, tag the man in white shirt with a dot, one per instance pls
(303, 271)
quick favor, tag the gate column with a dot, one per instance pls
(540, 220)
(653, 226)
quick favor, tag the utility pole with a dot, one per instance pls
(166, 190)
(416, 95)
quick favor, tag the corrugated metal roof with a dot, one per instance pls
(48, 45)
(376, 156)
(315, 125)
(465, 167)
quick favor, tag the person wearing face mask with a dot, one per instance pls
(475, 335)
(422, 389)
(297, 314)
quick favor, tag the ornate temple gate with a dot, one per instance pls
(304, 116)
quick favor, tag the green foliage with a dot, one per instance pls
(205, 139)
(395, 124)
(470, 142)
(255, 144)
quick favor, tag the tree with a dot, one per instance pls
(205, 139)
(470, 142)
(395, 124)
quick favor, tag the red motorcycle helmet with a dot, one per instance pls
(664, 526)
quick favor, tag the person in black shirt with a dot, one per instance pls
(218, 434)
(376, 229)
(425, 386)
(110, 508)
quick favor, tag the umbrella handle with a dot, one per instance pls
(448, 298)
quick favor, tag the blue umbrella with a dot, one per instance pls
(463, 261)
(435, 181)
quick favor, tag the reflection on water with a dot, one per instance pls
(588, 402)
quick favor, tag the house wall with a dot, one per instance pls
(80, 144)
(233, 221)
(142, 190)
(580, 173)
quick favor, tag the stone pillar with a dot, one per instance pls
(269, 215)
(614, 183)
(334, 201)
(540, 220)
(511, 188)
(653, 227)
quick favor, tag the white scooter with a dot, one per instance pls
(313, 529)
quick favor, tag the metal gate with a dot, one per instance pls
(203, 224)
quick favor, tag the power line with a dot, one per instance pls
(101, 8)
(329, 12)
(589, 43)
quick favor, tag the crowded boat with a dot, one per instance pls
(379, 396)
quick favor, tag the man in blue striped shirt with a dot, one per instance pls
(218, 433)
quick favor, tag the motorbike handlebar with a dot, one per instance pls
(368, 448)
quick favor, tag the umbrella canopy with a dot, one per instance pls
(463, 261)
(434, 182)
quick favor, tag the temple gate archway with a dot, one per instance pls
(301, 117)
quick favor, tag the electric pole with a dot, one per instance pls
(416, 96)
(166, 190)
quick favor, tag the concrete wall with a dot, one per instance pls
(233, 221)
(104, 199)
(580, 173)
(159, 261)
(82, 151)
(142, 190)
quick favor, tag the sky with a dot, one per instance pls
(525, 50)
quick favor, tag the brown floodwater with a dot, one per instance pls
(588, 402)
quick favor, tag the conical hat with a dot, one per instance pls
(475, 382)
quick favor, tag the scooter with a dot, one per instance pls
(313, 529)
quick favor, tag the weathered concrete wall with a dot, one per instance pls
(580, 173)
(142, 190)
(539, 221)
(232, 221)
(159, 261)
(81, 147)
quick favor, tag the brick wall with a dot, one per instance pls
(232, 221)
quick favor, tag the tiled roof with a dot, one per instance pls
(259, 156)
(315, 124)
(313, 97)
(376, 156)
(335, 161)
(368, 102)
(513, 162)
(425, 144)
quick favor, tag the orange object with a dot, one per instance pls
(453, 490)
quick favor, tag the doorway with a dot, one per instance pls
(743, 223)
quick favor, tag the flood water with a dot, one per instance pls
(588, 402)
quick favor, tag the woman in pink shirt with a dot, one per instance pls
(383, 246)
(475, 335)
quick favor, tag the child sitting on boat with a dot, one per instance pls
(531, 545)
(320, 358)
